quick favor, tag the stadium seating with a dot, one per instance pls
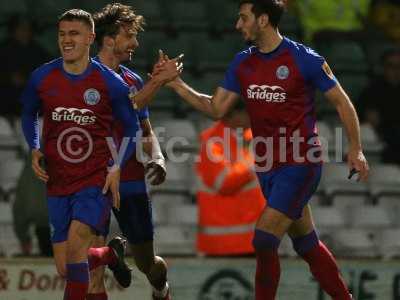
(178, 179)
(90, 6)
(47, 39)
(375, 49)
(355, 242)
(216, 54)
(153, 13)
(48, 10)
(371, 217)
(179, 133)
(175, 240)
(389, 241)
(8, 242)
(183, 214)
(286, 247)
(290, 26)
(6, 130)
(345, 56)
(348, 203)
(162, 203)
(209, 82)
(9, 174)
(384, 180)
(371, 142)
(335, 182)
(353, 84)
(187, 15)
(328, 218)
(5, 213)
(325, 132)
(392, 203)
(17, 7)
(9, 143)
(326, 137)
(222, 15)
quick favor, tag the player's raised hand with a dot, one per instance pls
(167, 69)
(356, 160)
(156, 171)
(159, 65)
(112, 184)
(37, 158)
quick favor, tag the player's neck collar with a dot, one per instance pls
(274, 52)
(78, 76)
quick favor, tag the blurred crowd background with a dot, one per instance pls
(360, 40)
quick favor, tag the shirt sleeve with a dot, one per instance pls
(143, 113)
(124, 112)
(231, 81)
(31, 105)
(318, 71)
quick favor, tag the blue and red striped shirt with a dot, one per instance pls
(78, 113)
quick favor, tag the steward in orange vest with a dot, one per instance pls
(229, 198)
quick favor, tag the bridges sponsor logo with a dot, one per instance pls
(267, 93)
(79, 116)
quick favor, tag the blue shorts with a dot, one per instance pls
(135, 215)
(289, 188)
(88, 206)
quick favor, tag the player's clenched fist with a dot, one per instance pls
(112, 184)
(40, 173)
(357, 161)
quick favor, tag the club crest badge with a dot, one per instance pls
(282, 72)
(91, 96)
(328, 70)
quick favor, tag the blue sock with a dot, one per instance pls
(268, 268)
(305, 243)
(78, 272)
(265, 241)
(77, 281)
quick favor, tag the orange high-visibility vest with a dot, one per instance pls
(229, 198)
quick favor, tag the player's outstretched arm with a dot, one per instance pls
(348, 115)
(215, 106)
(164, 71)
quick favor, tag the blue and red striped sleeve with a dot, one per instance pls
(314, 68)
(231, 81)
(31, 105)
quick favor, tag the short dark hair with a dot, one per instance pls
(111, 17)
(77, 15)
(273, 8)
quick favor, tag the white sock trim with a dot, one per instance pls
(162, 293)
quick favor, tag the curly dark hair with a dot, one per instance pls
(112, 17)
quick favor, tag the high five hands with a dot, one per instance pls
(167, 69)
